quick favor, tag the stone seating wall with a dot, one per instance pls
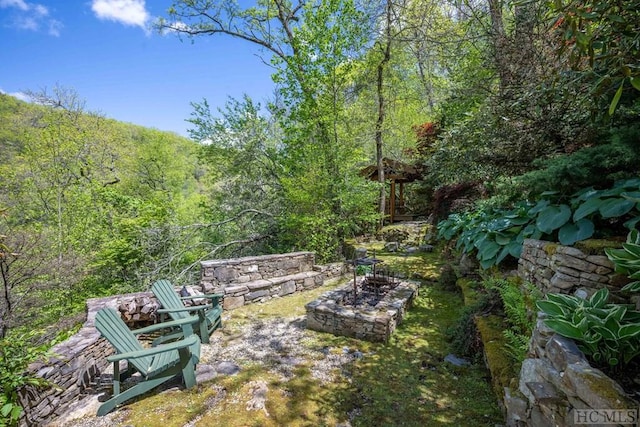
(556, 383)
(78, 363)
(260, 278)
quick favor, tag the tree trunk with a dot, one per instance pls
(386, 57)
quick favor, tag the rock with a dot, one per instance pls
(562, 351)
(391, 246)
(456, 361)
(468, 266)
(205, 373)
(596, 389)
(227, 368)
(426, 248)
(581, 293)
(259, 392)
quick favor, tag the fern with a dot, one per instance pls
(518, 303)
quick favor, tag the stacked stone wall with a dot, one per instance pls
(556, 383)
(248, 280)
(564, 269)
(376, 323)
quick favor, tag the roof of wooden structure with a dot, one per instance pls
(393, 169)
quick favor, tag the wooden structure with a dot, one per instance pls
(209, 315)
(398, 173)
(156, 365)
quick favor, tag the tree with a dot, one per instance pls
(604, 45)
(312, 47)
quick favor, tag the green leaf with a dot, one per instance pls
(634, 196)
(16, 412)
(503, 239)
(488, 249)
(616, 99)
(6, 409)
(615, 207)
(553, 217)
(599, 299)
(629, 331)
(632, 248)
(502, 255)
(635, 82)
(515, 249)
(540, 206)
(632, 287)
(571, 233)
(587, 208)
(551, 308)
(565, 300)
(564, 328)
(487, 263)
(604, 332)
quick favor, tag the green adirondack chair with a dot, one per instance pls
(156, 364)
(210, 315)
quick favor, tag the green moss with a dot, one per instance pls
(605, 387)
(469, 292)
(498, 361)
(550, 248)
(597, 246)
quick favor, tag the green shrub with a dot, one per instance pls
(16, 353)
(601, 166)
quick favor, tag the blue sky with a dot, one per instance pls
(104, 50)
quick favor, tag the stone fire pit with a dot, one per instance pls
(373, 318)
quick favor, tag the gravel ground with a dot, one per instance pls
(278, 344)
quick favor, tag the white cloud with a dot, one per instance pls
(127, 12)
(54, 27)
(31, 16)
(20, 95)
(20, 4)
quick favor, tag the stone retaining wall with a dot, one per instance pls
(74, 367)
(79, 361)
(257, 279)
(564, 269)
(556, 382)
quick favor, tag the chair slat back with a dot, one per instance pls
(111, 326)
(168, 297)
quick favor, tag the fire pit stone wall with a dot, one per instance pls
(330, 313)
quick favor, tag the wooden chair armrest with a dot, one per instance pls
(164, 325)
(175, 345)
(178, 310)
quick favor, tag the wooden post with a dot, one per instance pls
(402, 195)
(392, 200)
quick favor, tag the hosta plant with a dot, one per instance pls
(606, 333)
(627, 260)
(496, 233)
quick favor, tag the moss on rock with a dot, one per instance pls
(597, 246)
(501, 366)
